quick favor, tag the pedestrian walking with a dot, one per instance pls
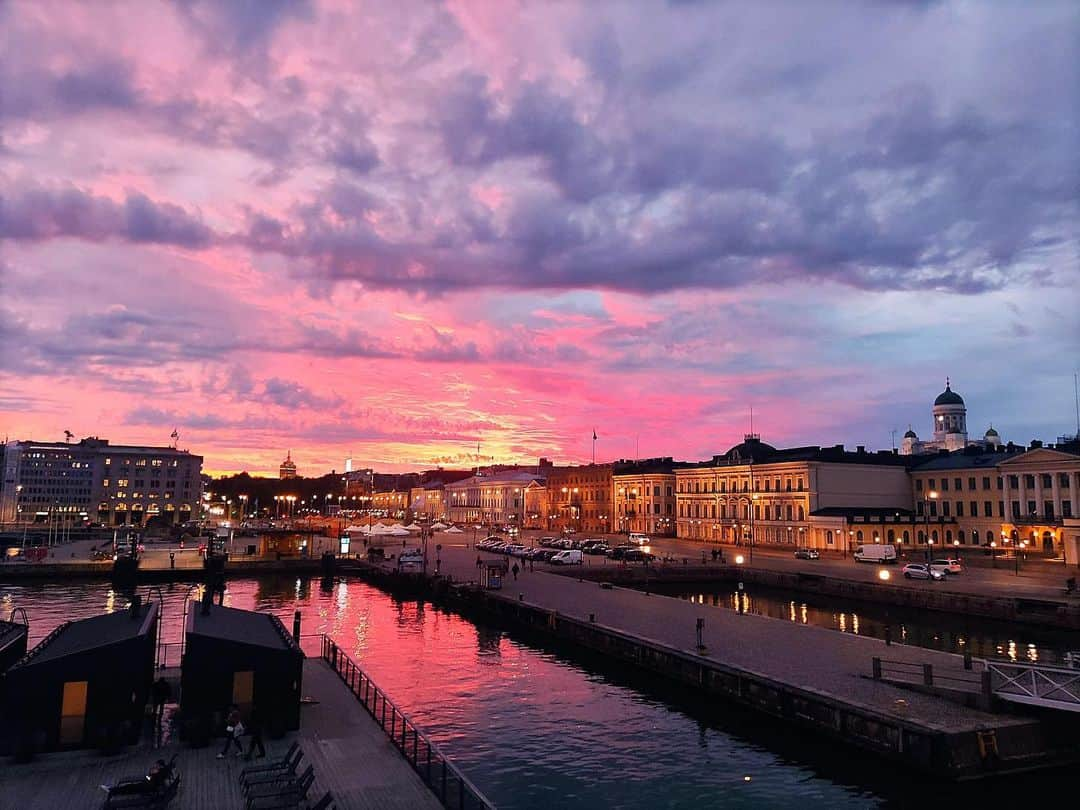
(161, 692)
(479, 562)
(514, 571)
(234, 729)
(255, 731)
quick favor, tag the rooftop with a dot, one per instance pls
(240, 626)
(80, 636)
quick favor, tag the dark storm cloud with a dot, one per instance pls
(37, 214)
(97, 85)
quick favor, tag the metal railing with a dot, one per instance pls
(926, 675)
(448, 784)
(1036, 685)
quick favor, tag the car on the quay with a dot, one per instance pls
(950, 564)
(567, 557)
(922, 571)
(807, 554)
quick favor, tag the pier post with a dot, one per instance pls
(888, 635)
(967, 658)
(877, 668)
(928, 674)
(700, 628)
(296, 627)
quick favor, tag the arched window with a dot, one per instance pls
(989, 537)
(948, 535)
(802, 512)
(933, 534)
(891, 535)
(907, 537)
(922, 536)
(828, 538)
(858, 536)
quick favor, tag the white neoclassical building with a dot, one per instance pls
(950, 429)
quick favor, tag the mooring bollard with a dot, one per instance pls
(888, 635)
(700, 628)
(967, 658)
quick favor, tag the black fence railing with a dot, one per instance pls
(448, 784)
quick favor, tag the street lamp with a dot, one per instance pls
(1016, 553)
(930, 496)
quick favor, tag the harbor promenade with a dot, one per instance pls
(352, 758)
(791, 670)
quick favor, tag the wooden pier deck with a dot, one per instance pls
(352, 757)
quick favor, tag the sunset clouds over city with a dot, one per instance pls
(393, 230)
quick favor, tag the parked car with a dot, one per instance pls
(597, 549)
(619, 552)
(546, 542)
(545, 554)
(568, 557)
(950, 564)
(919, 571)
(639, 539)
(638, 555)
(807, 553)
(878, 552)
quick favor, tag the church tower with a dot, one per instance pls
(288, 468)
(950, 419)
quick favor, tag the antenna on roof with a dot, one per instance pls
(893, 433)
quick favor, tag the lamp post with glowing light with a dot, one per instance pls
(931, 496)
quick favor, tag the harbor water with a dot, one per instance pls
(535, 726)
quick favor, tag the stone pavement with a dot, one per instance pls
(351, 755)
(812, 658)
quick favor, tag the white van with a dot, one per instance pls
(877, 553)
(639, 539)
(568, 557)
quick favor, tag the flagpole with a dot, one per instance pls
(594, 446)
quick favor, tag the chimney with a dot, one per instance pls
(136, 607)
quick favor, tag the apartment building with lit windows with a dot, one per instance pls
(502, 498)
(579, 498)
(1014, 497)
(801, 496)
(643, 496)
(96, 481)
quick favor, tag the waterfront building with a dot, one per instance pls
(579, 498)
(497, 499)
(949, 415)
(240, 657)
(94, 480)
(796, 496)
(643, 496)
(393, 502)
(85, 684)
(287, 469)
(1014, 497)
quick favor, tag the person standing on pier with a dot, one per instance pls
(234, 729)
(161, 693)
(255, 730)
(514, 571)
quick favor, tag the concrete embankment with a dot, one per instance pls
(803, 675)
(1059, 614)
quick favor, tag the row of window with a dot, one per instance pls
(957, 509)
(761, 512)
(767, 485)
(1045, 479)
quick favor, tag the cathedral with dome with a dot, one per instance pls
(950, 429)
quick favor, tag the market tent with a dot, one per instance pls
(438, 526)
(454, 530)
(412, 527)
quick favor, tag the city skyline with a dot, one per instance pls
(390, 233)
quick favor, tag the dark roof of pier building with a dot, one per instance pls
(754, 451)
(239, 626)
(80, 636)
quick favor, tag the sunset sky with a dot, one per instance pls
(393, 229)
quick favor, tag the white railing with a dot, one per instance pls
(1036, 685)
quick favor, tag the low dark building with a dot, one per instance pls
(85, 685)
(12, 643)
(239, 657)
